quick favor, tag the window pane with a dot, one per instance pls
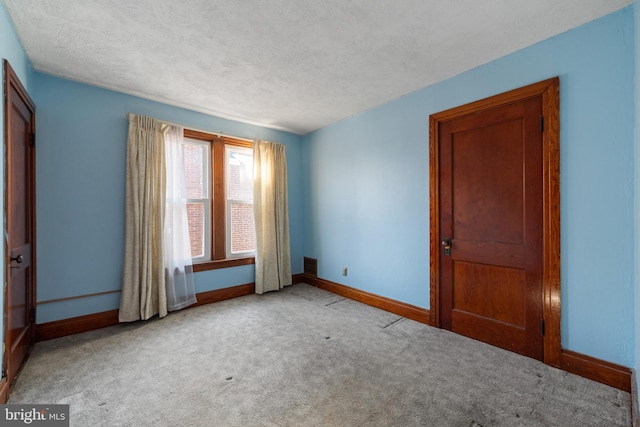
(195, 212)
(243, 235)
(195, 156)
(239, 174)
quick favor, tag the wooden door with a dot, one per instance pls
(20, 225)
(491, 226)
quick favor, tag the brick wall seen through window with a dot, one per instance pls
(221, 225)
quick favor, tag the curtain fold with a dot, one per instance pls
(270, 204)
(158, 273)
(143, 286)
(178, 266)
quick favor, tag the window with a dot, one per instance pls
(241, 235)
(219, 184)
(196, 173)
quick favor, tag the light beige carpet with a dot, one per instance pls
(303, 357)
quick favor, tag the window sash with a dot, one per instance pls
(206, 230)
(204, 200)
(206, 167)
(231, 203)
(231, 253)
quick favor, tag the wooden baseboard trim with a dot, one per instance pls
(75, 325)
(224, 294)
(409, 311)
(297, 278)
(597, 370)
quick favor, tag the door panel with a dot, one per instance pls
(487, 183)
(491, 213)
(20, 176)
(490, 292)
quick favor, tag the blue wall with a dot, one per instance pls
(367, 183)
(11, 50)
(81, 155)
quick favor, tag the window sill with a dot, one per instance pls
(223, 263)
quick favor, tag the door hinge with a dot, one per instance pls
(32, 140)
(542, 326)
(541, 124)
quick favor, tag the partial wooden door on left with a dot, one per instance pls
(19, 296)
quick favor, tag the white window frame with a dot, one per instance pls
(206, 201)
(229, 202)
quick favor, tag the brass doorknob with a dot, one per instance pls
(17, 259)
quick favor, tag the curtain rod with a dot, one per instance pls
(198, 130)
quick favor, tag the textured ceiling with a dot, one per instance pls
(295, 65)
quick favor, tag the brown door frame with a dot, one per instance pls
(11, 81)
(549, 90)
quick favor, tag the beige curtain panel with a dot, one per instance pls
(270, 204)
(143, 288)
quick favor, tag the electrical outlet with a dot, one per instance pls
(344, 271)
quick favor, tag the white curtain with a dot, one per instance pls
(177, 245)
(158, 275)
(273, 258)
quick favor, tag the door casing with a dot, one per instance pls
(549, 90)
